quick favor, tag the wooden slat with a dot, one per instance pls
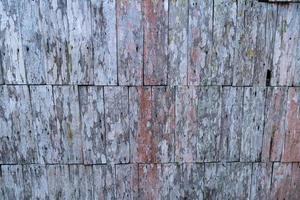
(274, 130)
(192, 180)
(253, 124)
(92, 124)
(287, 43)
(281, 180)
(261, 180)
(186, 131)
(127, 181)
(231, 123)
(224, 33)
(58, 181)
(104, 42)
(200, 32)
(214, 181)
(11, 53)
(291, 146)
(209, 121)
(177, 49)
(103, 182)
(23, 136)
(295, 182)
(44, 124)
(12, 185)
(31, 33)
(159, 181)
(130, 42)
(116, 124)
(35, 182)
(80, 33)
(55, 30)
(68, 122)
(155, 23)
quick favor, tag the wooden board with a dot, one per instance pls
(12, 185)
(130, 42)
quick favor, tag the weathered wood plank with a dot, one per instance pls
(12, 185)
(58, 181)
(192, 181)
(155, 21)
(274, 130)
(55, 30)
(35, 182)
(186, 131)
(281, 180)
(130, 42)
(295, 182)
(152, 114)
(116, 124)
(44, 124)
(8, 154)
(159, 181)
(11, 53)
(214, 181)
(104, 42)
(68, 122)
(80, 33)
(224, 38)
(287, 45)
(92, 124)
(253, 124)
(231, 123)
(104, 182)
(200, 33)
(261, 180)
(23, 136)
(291, 146)
(209, 122)
(31, 34)
(177, 49)
(127, 181)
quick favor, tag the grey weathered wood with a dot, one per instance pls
(104, 182)
(152, 114)
(274, 129)
(68, 122)
(58, 181)
(159, 181)
(155, 20)
(23, 136)
(192, 181)
(291, 145)
(294, 192)
(286, 46)
(44, 124)
(116, 124)
(261, 180)
(12, 185)
(214, 181)
(224, 38)
(177, 49)
(130, 42)
(200, 33)
(8, 153)
(55, 30)
(80, 41)
(11, 54)
(281, 180)
(127, 181)
(253, 124)
(186, 130)
(104, 42)
(31, 34)
(35, 182)
(209, 122)
(231, 123)
(92, 124)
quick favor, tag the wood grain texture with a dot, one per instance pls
(104, 42)
(192, 181)
(12, 185)
(261, 180)
(93, 124)
(130, 42)
(155, 20)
